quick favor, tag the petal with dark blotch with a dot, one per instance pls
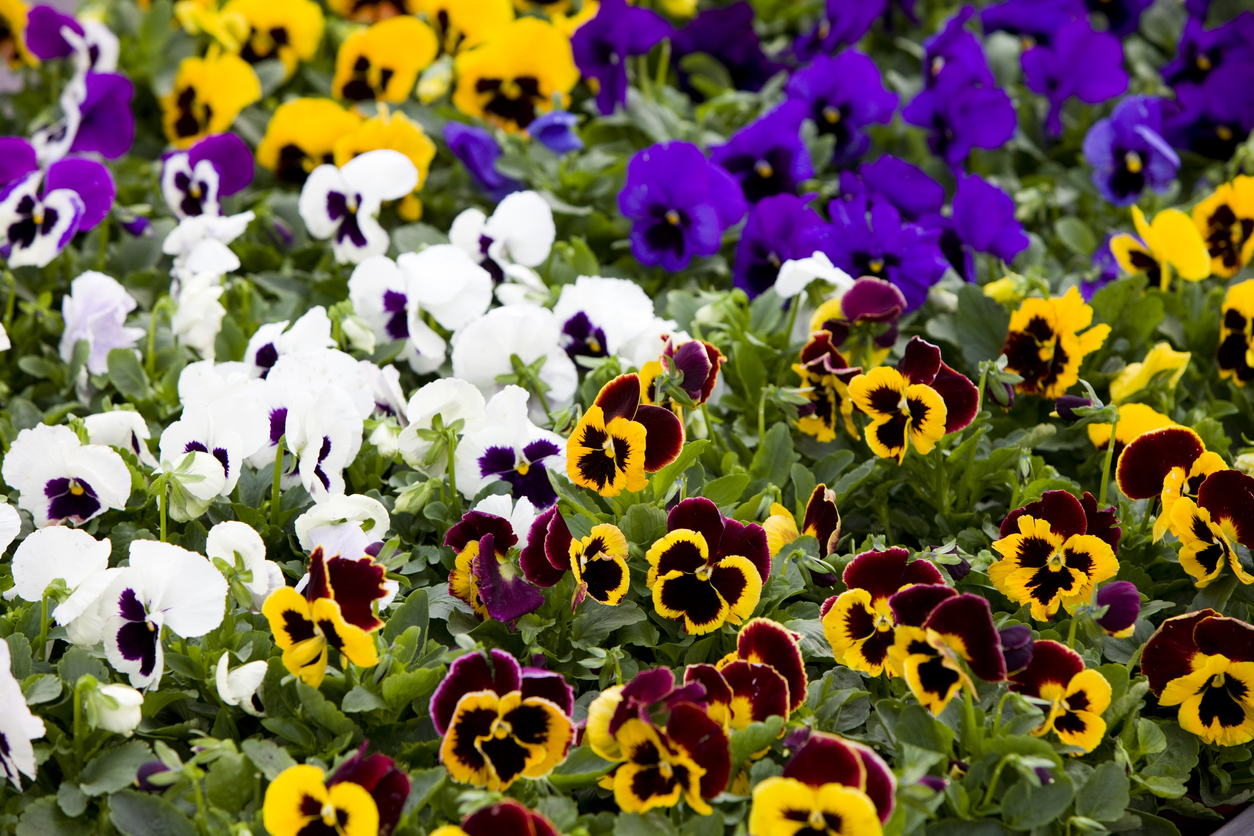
(872, 300)
(1101, 524)
(319, 585)
(1229, 495)
(912, 606)
(1170, 651)
(692, 728)
(1052, 663)
(533, 560)
(505, 594)
(1229, 637)
(881, 783)
(763, 690)
(822, 519)
(826, 759)
(969, 620)
(771, 643)
(505, 818)
(962, 399)
(663, 436)
(475, 524)
(607, 580)
(716, 688)
(620, 398)
(1063, 511)
(473, 672)
(691, 359)
(878, 572)
(747, 540)
(356, 585)
(921, 361)
(551, 685)
(697, 514)
(1146, 461)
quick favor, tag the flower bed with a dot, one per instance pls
(481, 418)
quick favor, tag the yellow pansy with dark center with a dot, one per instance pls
(789, 807)
(686, 758)
(825, 375)
(383, 62)
(286, 30)
(1045, 345)
(1226, 221)
(1076, 697)
(1236, 334)
(516, 74)
(371, 11)
(302, 135)
(902, 413)
(495, 739)
(1204, 663)
(208, 94)
(299, 803)
(1170, 463)
(1170, 243)
(599, 565)
(821, 521)
(463, 24)
(13, 50)
(394, 130)
(1209, 528)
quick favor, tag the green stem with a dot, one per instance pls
(1110, 456)
(968, 720)
(162, 499)
(792, 318)
(150, 361)
(1071, 632)
(988, 793)
(276, 488)
(663, 64)
(709, 428)
(762, 417)
(78, 717)
(43, 626)
(10, 303)
(201, 817)
(1001, 704)
(454, 497)
(104, 244)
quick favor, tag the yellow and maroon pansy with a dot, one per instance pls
(741, 692)
(495, 739)
(766, 642)
(1204, 663)
(1226, 221)
(619, 440)
(821, 521)
(858, 623)
(13, 51)
(1236, 334)
(1076, 696)
(825, 377)
(916, 403)
(473, 672)
(708, 569)
(335, 610)
(483, 576)
(299, 803)
(1045, 345)
(383, 61)
(1135, 420)
(686, 758)
(504, 818)
(1048, 559)
(1210, 528)
(957, 635)
(865, 314)
(649, 697)
(1170, 463)
(820, 758)
(599, 565)
(694, 363)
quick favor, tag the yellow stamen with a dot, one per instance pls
(817, 822)
(1133, 161)
(831, 115)
(876, 266)
(501, 729)
(763, 168)
(1223, 132)
(328, 815)
(522, 468)
(703, 574)
(1203, 63)
(672, 217)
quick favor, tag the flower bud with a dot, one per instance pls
(115, 708)
(358, 333)
(1016, 647)
(1066, 405)
(145, 774)
(1123, 603)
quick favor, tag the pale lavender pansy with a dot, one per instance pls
(95, 311)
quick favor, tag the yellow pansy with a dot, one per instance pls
(1161, 359)
(208, 94)
(1171, 242)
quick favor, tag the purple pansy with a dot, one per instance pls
(1214, 117)
(1128, 153)
(106, 125)
(843, 95)
(524, 469)
(1202, 51)
(958, 49)
(767, 156)
(478, 151)
(36, 225)
(983, 220)
(960, 113)
(1080, 63)
(1035, 21)
(779, 229)
(679, 204)
(1016, 647)
(1122, 16)
(555, 130)
(727, 35)
(47, 40)
(905, 186)
(602, 45)
(843, 24)
(194, 181)
(1123, 603)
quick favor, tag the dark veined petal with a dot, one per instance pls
(692, 729)
(826, 759)
(747, 540)
(1101, 524)
(882, 573)
(822, 519)
(549, 685)
(472, 721)
(681, 550)
(1146, 461)
(505, 593)
(654, 775)
(786, 806)
(1228, 637)
(698, 514)
(620, 398)
(475, 524)
(881, 783)
(717, 691)
(758, 692)
(1063, 511)
(607, 580)
(961, 398)
(606, 456)
(473, 672)
(1052, 663)
(771, 643)
(534, 560)
(1170, 652)
(966, 622)
(379, 776)
(664, 436)
(921, 361)
(356, 585)
(1229, 495)
(507, 818)
(912, 606)
(820, 355)
(931, 679)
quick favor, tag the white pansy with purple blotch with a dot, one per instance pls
(239, 687)
(342, 203)
(383, 297)
(194, 181)
(18, 727)
(230, 429)
(512, 449)
(445, 282)
(274, 339)
(60, 478)
(600, 316)
(519, 232)
(323, 432)
(199, 244)
(123, 429)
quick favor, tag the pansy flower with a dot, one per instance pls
(286, 30)
(298, 802)
(382, 62)
(692, 365)
(762, 641)
(779, 230)
(41, 211)
(917, 403)
(1226, 220)
(95, 311)
(1135, 420)
(462, 24)
(208, 94)
(505, 816)
(194, 181)
(385, 298)
(708, 569)
(687, 759)
(164, 586)
(59, 478)
(829, 787)
(820, 521)
(483, 576)
(516, 74)
(1236, 334)
(13, 24)
(1204, 663)
(960, 112)
(767, 156)
(485, 348)
(940, 636)
(1170, 242)
(1079, 62)
(859, 623)
(519, 233)
(983, 219)
(1076, 696)
(1170, 463)
(602, 317)
(1048, 558)
(78, 559)
(511, 449)
(907, 187)
(18, 726)
(301, 136)
(727, 35)
(651, 695)
(843, 95)
(1210, 529)
(1128, 153)
(602, 46)
(342, 204)
(1162, 363)
(741, 692)
(478, 151)
(619, 440)
(598, 564)
(395, 130)
(679, 204)
(825, 378)
(380, 776)
(1048, 340)
(866, 313)
(501, 722)
(336, 610)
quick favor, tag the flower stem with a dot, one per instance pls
(162, 499)
(454, 497)
(11, 302)
(43, 626)
(150, 360)
(792, 318)
(104, 244)
(762, 417)
(276, 489)
(1110, 456)
(709, 428)
(1071, 633)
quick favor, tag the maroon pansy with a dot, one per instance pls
(870, 303)
(1169, 463)
(741, 692)
(473, 672)
(507, 818)
(827, 759)
(767, 642)
(379, 776)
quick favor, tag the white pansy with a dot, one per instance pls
(70, 554)
(520, 231)
(510, 447)
(239, 687)
(324, 433)
(193, 481)
(795, 275)
(447, 283)
(18, 727)
(199, 244)
(123, 429)
(234, 544)
(342, 203)
(482, 352)
(95, 310)
(198, 314)
(381, 295)
(229, 429)
(115, 708)
(60, 478)
(10, 525)
(367, 514)
(453, 400)
(275, 339)
(599, 316)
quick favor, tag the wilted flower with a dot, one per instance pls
(60, 478)
(342, 204)
(1047, 341)
(1170, 242)
(1076, 697)
(1127, 151)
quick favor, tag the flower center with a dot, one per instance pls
(1133, 161)
(1223, 132)
(1203, 63)
(703, 574)
(672, 217)
(817, 822)
(763, 168)
(501, 729)
(522, 468)
(831, 115)
(1217, 681)
(876, 266)
(938, 64)
(608, 446)
(1056, 560)
(76, 489)
(666, 769)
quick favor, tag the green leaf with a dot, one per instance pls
(269, 757)
(71, 799)
(775, 456)
(404, 687)
(77, 662)
(114, 768)
(137, 814)
(1075, 235)
(1025, 806)
(44, 818)
(664, 478)
(127, 375)
(19, 654)
(596, 621)
(754, 738)
(1105, 795)
(230, 782)
(361, 699)
(643, 524)
(415, 612)
(43, 688)
(726, 489)
(982, 325)
(323, 712)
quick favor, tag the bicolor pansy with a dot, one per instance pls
(825, 378)
(511, 449)
(765, 642)
(483, 576)
(740, 692)
(1204, 663)
(915, 404)
(598, 563)
(865, 314)
(1048, 558)
(820, 521)
(40, 211)
(505, 816)
(343, 203)
(708, 569)
(60, 478)
(1047, 341)
(1171, 464)
(651, 694)
(619, 440)
(1076, 697)
(300, 803)
(194, 181)
(208, 94)
(1211, 528)
(382, 62)
(692, 366)
(1226, 221)
(859, 623)
(1236, 334)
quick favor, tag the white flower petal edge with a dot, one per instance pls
(18, 727)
